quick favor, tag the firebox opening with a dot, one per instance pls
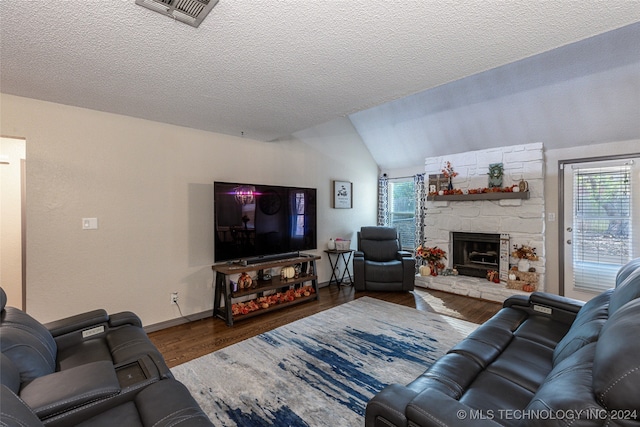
(475, 253)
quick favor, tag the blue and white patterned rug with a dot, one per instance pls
(321, 370)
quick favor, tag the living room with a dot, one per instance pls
(150, 185)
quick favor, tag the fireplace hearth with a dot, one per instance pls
(475, 253)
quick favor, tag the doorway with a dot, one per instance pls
(12, 220)
(600, 224)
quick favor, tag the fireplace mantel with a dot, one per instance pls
(479, 196)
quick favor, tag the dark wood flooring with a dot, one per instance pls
(185, 342)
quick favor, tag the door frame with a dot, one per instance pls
(561, 205)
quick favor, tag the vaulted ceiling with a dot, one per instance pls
(423, 76)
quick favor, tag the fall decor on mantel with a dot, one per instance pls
(480, 194)
(449, 173)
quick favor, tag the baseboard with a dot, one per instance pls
(191, 318)
(179, 321)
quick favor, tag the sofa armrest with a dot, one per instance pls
(77, 322)
(405, 254)
(559, 308)
(556, 301)
(387, 408)
(516, 301)
(432, 408)
(545, 299)
(124, 318)
(69, 389)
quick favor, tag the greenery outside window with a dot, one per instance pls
(402, 210)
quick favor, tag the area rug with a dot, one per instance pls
(321, 370)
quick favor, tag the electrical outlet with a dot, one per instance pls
(174, 298)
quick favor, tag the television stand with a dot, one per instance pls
(230, 303)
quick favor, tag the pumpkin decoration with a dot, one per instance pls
(288, 272)
(512, 276)
(244, 281)
(528, 288)
(425, 270)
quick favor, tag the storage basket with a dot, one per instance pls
(343, 245)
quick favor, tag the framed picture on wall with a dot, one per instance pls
(342, 194)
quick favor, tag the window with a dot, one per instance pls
(402, 210)
(602, 223)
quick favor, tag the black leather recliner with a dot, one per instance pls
(74, 370)
(379, 264)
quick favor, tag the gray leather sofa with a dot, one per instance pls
(379, 264)
(91, 370)
(542, 360)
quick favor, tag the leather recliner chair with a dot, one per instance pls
(73, 370)
(380, 264)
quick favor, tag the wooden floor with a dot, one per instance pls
(185, 342)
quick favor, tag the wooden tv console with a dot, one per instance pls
(287, 291)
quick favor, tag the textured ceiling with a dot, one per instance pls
(267, 69)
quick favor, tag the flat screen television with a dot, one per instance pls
(254, 221)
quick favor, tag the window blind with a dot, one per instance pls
(601, 239)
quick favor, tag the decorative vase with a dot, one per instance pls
(523, 264)
(434, 269)
(331, 245)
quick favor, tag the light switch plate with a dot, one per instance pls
(89, 223)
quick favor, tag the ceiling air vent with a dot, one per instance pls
(190, 12)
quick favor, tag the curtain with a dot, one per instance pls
(421, 210)
(383, 201)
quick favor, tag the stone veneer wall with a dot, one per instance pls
(523, 220)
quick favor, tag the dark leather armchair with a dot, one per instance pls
(92, 369)
(379, 264)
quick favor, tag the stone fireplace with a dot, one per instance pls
(478, 235)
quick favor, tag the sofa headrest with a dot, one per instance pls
(379, 243)
(3, 299)
(627, 290)
(627, 269)
(378, 233)
(616, 366)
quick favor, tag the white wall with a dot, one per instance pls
(151, 187)
(552, 157)
(13, 151)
